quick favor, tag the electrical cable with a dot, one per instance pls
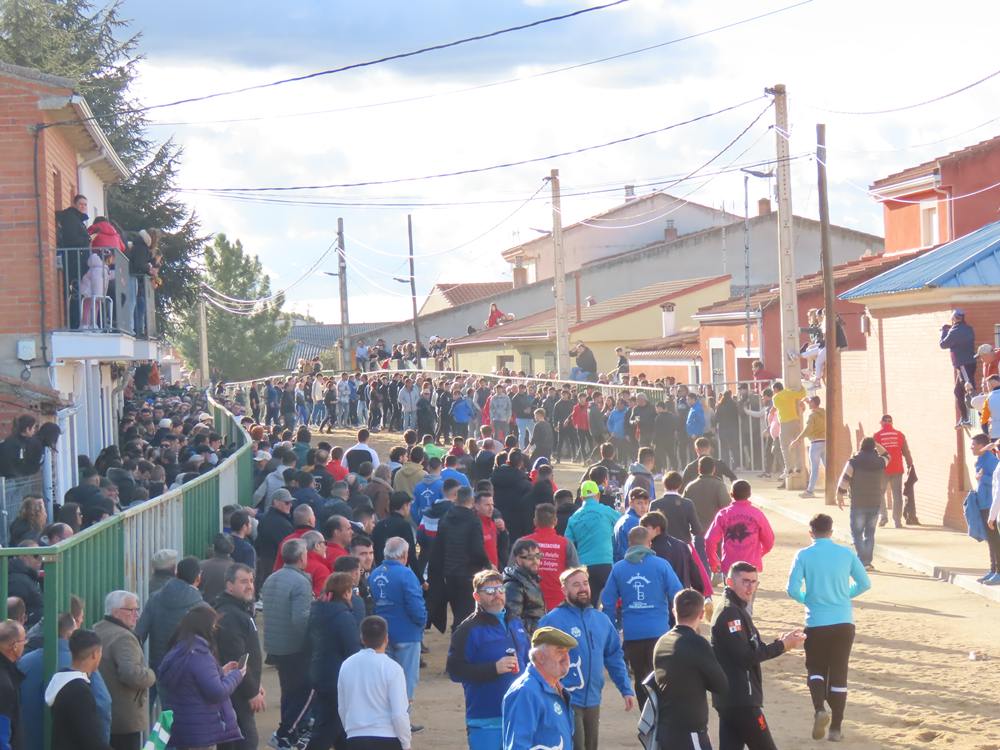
(309, 272)
(913, 146)
(479, 170)
(906, 107)
(356, 66)
(491, 84)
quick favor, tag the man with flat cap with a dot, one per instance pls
(536, 708)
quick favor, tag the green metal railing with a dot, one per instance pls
(116, 553)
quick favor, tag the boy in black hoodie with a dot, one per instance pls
(75, 721)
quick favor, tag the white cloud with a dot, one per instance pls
(841, 55)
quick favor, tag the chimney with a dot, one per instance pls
(670, 233)
(763, 206)
(629, 193)
(669, 318)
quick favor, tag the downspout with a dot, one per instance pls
(946, 197)
(36, 133)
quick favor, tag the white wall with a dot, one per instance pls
(92, 186)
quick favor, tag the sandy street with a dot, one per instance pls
(912, 684)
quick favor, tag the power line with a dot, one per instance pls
(906, 107)
(478, 170)
(491, 84)
(370, 63)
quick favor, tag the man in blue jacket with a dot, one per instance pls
(694, 423)
(599, 648)
(646, 585)
(638, 506)
(536, 708)
(399, 599)
(960, 340)
(825, 578)
(488, 651)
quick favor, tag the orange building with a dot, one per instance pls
(918, 205)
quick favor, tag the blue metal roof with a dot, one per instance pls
(972, 260)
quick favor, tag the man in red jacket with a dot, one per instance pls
(895, 445)
(558, 554)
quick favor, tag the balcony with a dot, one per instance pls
(98, 307)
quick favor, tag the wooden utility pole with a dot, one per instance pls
(345, 353)
(203, 345)
(413, 291)
(834, 405)
(790, 367)
(559, 280)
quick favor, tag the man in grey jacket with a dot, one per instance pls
(287, 598)
(407, 400)
(166, 608)
(500, 413)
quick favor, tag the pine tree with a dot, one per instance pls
(94, 47)
(239, 346)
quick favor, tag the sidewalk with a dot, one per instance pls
(935, 551)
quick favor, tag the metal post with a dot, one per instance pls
(559, 280)
(203, 344)
(746, 258)
(834, 406)
(345, 355)
(413, 291)
(790, 366)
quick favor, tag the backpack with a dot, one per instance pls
(650, 716)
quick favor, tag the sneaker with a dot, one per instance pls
(820, 722)
(993, 580)
(869, 567)
(416, 728)
(807, 493)
(280, 743)
(897, 524)
(983, 578)
(835, 735)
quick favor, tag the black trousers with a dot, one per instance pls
(598, 575)
(328, 731)
(827, 656)
(964, 374)
(130, 741)
(678, 738)
(458, 590)
(745, 726)
(639, 655)
(374, 743)
(293, 678)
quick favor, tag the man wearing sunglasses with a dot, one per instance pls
(487, 653)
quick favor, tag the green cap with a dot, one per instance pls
(553, 637)
(589, 489)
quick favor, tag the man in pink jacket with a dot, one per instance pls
(743, 531)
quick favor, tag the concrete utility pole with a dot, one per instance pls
(790, 367)
(345, 354)
(834, 395)
(559, 280)
(413, 292)
(203, 345)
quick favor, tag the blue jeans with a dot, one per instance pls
(302, 412)
(817, 454)
(863, 522)
(524, 431)
(407, 655)
(577, 374)
(363, 413)
(409, 420)
(485, 738)
(343, 413)
(319, 412)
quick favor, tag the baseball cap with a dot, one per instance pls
(165, 424)
(204, 416)
(589, 489)
(262, 456)
(553, 637)
(958, 312)
(984, 350)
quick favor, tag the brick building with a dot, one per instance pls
(51, 148)
(903, 371)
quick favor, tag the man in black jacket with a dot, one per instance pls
(274, 526)
(23, 581)
(703, 447)
(238, 637)
(76, 723)
(397, 523)
(71, 224)
(459, 553)
(510, 486)
(12, 641)
(673, 550)
(682, 519)
(739, 649)
(684, 667)
(482, 467)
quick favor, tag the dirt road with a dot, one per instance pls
(912, 684)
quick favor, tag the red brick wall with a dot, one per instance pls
(19, 282)
(904, 372)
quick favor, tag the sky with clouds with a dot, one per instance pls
(353, 127)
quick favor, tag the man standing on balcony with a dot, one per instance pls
(140, 259)
(71, 224)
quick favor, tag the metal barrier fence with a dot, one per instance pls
(117, 553)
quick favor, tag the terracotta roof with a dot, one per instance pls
(850, 273)
(680, 345)
(930, 166)
(462, 293)
(542, 325)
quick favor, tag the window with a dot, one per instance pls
(928, 224)
(996, 335)
(550, 361)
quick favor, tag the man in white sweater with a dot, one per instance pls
(371, 694)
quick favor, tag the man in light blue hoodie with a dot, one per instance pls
(825, 578)
(646, 585)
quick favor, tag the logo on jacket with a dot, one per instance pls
(575, 632)
(735, 626)
(639, 582)
(548, 747)
(557, 708)
(574, 680)
(737, 532)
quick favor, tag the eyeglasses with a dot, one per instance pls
(490, 590)
(130, 609)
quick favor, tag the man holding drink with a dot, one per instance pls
(488, 651)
